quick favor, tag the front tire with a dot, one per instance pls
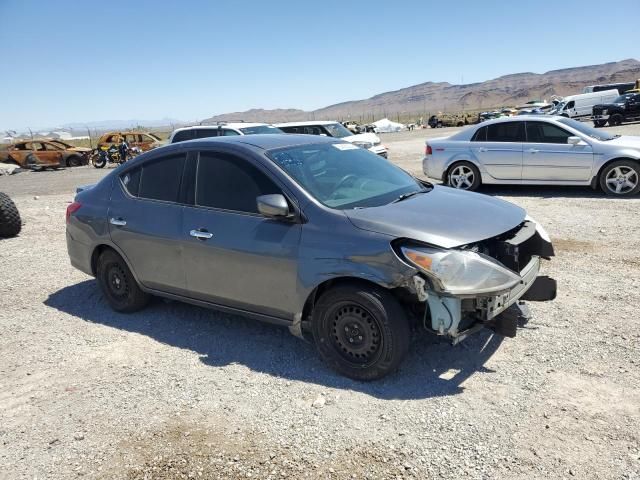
(599, 123)
(621, 178)
(74, 161)
(118, 284)
(464, 176)
(360, 331)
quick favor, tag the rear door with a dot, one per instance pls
(499, 149)
(145, 221)
(548, 156)
(248, 261)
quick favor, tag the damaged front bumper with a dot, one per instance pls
(458, 316)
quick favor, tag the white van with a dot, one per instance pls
(581, 106)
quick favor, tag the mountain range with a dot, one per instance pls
(433, 97)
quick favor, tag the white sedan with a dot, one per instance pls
(535, 150)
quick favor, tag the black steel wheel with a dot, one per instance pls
(361, 331)
(118, 284)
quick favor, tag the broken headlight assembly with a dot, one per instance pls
(457, 272)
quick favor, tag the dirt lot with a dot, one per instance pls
(178, 391)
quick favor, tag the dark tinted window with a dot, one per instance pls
(480, 135)
(182, 135)
(207, 132)
(227, 132)
(292, 129)
(541, 132)
(131, 181)
(506, 132)
(230, 183)
(161, 178)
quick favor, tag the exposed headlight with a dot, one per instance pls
(461, 272)
(365, 145)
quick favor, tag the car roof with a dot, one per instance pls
(306, 123)
(264, 142)
(222, 125)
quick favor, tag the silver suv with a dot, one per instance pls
(221, 129)
(312, 233)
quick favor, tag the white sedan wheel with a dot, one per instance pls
(461, 177)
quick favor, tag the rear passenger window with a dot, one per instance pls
(480, 135)
(182, 136)
(230, 183)
(207, 132)
(161, 178)
(229, 133)
(505, 132)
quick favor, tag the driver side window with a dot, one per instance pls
(541, 132)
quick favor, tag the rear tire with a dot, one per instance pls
(615, 119)
(621, 178)
(361, 331)
(118, 284)
(464, 176)
(10, 221)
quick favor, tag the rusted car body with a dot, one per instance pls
(36, 154)
(142, 140)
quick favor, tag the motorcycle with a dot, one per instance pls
(112, 154)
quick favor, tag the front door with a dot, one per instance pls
(145, 221)
(47, 154)
(499, 149)
(548, 156)
(232, 255)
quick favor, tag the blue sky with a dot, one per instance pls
(77, 61)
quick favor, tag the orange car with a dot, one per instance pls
(36, 154)
(142, 140)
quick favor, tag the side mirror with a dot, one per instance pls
(273, 206)
(575, 141)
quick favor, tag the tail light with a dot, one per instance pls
(72, 208)
(428, 150)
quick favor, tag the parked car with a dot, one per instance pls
(441, 121)
(581, 106)
(535, 150)
(369, 141)
(221, 129)
(312, 233)
(38, 154)
(625, 108)
(140, 140)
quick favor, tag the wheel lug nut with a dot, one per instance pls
(351, 340)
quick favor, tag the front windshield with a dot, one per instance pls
(343, 176)
(586, 129)
(260, 130)
(338, 130)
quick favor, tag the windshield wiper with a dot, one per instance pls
(404, 196)
(617, 135)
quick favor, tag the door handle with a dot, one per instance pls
(483, 149)
(200, 234)
(118, 222)
(533, 150)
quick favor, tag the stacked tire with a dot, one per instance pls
(10, 222)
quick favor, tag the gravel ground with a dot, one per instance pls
(178, 391)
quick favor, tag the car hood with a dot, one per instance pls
(363, 137)
(444, 217)
(625, 141)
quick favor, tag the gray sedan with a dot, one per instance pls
(311, 233)
(535, 150)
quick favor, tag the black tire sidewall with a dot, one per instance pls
(618, 163)
(615, 119)
(390, 317)
(10, 221)
(135, 299)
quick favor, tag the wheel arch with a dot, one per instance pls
(455, 160)
(102, 247)
(595, 181)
